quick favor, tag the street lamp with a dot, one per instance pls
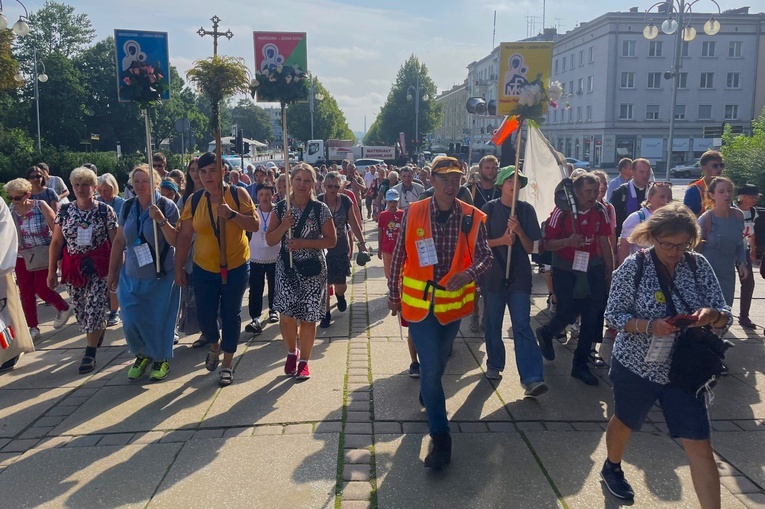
(474, 106)
(311, 96)
(20, 28)
(677, 22)
(416, 89)
(41, 78)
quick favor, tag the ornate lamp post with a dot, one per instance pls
(39, 78)
(414, 92)
(20, 28)
(311, 96)
(678, 22)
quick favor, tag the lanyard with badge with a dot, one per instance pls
(84, 234)
(141, 248)
(264, 222)
(660, 348)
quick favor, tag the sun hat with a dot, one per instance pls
(507, 172)
(391, 195)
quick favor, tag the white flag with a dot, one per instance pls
(545, 167)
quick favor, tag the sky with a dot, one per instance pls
(355, 47)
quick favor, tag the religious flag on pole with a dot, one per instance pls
(545, 167)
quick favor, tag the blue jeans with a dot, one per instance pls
(528, 358)
(212, 295)
(433, 342)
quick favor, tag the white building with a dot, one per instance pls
(275, 116)
(452, 129)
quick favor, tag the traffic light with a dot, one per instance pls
(451, 147)
(239, 146)
(246, 148)
(492, 107)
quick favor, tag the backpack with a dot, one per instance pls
(640, 269)
(234, 194)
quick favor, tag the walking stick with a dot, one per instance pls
(286, 169)
(221, 222)
(507, 281)
(153, 197)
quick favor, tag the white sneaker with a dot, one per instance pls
(62, 317)
(35, 333)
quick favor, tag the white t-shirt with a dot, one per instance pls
(368, 178)
(631, 223)
(260, 251)
(57, 184)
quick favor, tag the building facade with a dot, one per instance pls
(275, 116)
(452, 128)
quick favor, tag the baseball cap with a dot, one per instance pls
(445, 164)
(507, 172)
(748, 190)
(391, 195)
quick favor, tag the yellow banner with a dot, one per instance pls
(521, 63)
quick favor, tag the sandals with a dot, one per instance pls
(212, 360)
(199, 343)
(87, 365)
(226, 377)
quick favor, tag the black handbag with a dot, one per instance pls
(308, 267)
(697, 358)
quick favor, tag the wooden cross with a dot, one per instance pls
(228, 34)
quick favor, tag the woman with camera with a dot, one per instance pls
(654, 295)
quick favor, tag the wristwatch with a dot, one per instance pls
(163, 223)
(233, 215)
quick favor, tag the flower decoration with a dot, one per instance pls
(144, 83)
(534, 97)
(280, 83)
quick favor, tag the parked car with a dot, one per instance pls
(686, 171)
(363, 164)
(578, 164)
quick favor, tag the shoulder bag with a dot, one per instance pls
(35, 258)
(310, 266)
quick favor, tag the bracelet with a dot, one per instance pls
(163, 223)
(648, 326)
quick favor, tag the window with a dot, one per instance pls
(570, 115)
(571, 86)
(682, 81)
(555, 116)
(654, 49)
(625, 112)
(581, 58)
(731, 112)
(578, 113)
(707, 80)
(628, 48)
(734, 80)
(555, 66)
(580, 86)
(684, 49)
(652, 112)
(564, 65)
(734, 49)
(628, 80)
(654, 80)
(590, 83)
(571, 61)
(591, 54)
(705, 111)
(708, 49)
(589, 113)
(680, 112)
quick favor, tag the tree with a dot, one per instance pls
(62, 104)
(55, 28)
(745, 155)
(328, 119)
(8, 66)
(398, 113)
(253, 120)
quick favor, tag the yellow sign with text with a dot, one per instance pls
(521, 63)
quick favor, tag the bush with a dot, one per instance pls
(745, 155)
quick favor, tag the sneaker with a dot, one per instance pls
(139, 367)
(159, 371)
(342, 304)
(62, 317)
(414, 370)
(302, 371)
(475, 325)
(113, 319)
(744, 321)
(613, 476)
(441, 454)
(584, 374)
(290, 365)
(326, 320)
(35, 333)
(535, 389)
(545, 345)
(273, 316)
(493, 374)
(254, 327)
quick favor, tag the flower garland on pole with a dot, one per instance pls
(284, 84)
(532, 102)
(217, 78)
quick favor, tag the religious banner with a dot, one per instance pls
(522, 65)
(277, 56)
(143, 66)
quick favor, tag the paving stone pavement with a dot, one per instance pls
(354, 435)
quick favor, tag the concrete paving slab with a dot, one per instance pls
(736, 399)
(303, 476)
(479, 474)
(53, 369)
(22, 407)
(88, 476)
(655, 466)
(745, 451)
(392, 358)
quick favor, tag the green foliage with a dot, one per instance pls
(745, 155)
(328, 119)
(217, 78)
(282, 84)
(8, 66)
(16, 153)
(398, 113)
(253, 120)
(62, 100)
(55, 28)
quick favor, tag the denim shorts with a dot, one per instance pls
(634, 396)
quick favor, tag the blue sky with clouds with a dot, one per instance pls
(355, 47)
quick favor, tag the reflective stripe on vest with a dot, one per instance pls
(419, 293)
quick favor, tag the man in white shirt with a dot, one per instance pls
(625, 174)
(409, 191)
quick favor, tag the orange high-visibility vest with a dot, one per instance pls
(706, 201)
(419, 293)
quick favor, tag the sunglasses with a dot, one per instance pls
(446, 164)
(718, 165)
(18, 198)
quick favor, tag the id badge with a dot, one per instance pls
(143, 254)
(426, 252)
(661, 347)
(84, 235)
(581, 261)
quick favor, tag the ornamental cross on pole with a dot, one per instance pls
(228, 34)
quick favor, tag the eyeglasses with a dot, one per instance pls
(718, 165)
(18, 198)
(34, 177)
(669, 246)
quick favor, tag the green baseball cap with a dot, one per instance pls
(508, 172)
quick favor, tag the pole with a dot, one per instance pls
(470, 145)
(310, 104)
(151, 184)
(285, 141)
(675, 83)
(515, 191)
(417, 116)
(183, 149)
(37, 104)
(221, 222)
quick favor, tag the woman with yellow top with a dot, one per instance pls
(201, 214)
